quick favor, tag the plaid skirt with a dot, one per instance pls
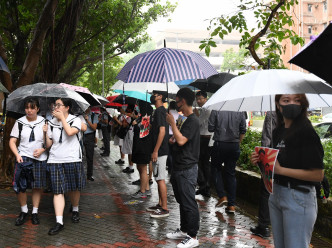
(39, 172)
(67, 177)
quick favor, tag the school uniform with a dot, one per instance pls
(65, 157)
(30, 134)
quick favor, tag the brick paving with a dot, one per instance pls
(111, 218)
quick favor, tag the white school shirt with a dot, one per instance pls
(25, 147)
(69, 150)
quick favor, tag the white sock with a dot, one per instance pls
(59, 219)
(24, 208)
(35, 210)
(75, 209)
(131, 166)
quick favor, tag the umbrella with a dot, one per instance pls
(145, 87)
(46, 93)
(316, 55)
(101, 99)
(84, 92)
(253, 91)
(144, 96)
(111, 103)
(213, 83)
(3, 66)
(128, 100)
(165, 65)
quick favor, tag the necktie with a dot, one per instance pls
(32, 135)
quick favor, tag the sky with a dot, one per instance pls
(193, 14)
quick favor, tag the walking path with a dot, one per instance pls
(111, 218)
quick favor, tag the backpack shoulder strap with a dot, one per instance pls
(20, 127)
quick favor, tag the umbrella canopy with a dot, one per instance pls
(144, 96)
(128, 100)
(46, 93)
(84, 92)
(145, 87)
(316, 55)
(165, 65)
(213, 83)
(255, 91)
(101, 99)
(111, 103)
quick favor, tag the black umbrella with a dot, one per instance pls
(213, 83)
(128, 100)
(316, 56)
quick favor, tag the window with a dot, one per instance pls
(309, 7)
(325, 6)
(310, 29)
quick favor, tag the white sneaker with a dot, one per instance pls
(188, 242)
(178, 234)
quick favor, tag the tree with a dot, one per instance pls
(273, 22)
(233, 60)
(60, 40)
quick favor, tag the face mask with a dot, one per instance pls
(291, 111)
(178, 108)
(153, 99)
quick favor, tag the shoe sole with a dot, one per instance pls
(151, 210)
(221, 204)
(159, 216)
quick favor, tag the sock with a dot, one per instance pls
(75, 209)
(24, 208)
(59, 219)
(131, 166)
(35, 210)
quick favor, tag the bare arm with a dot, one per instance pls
(160, 139)
(13, 148)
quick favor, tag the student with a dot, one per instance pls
(29, 131)
(186, 139)
(299, 166)
(65, 161)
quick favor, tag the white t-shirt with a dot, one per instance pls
(25, 147)
(69, 150)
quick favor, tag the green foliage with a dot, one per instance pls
(270, 44)
(233, 60)
(315, 118)
(251, 139)
(327, 145)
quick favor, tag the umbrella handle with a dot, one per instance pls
(44, 144)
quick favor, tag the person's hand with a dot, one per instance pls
(58, 114)
(171, 140)
(154, 156)
(45, 127)
(169, 118)
(254, 158)
(19, 159)
(38, 152)
(86, 117)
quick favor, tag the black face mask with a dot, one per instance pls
(178, 108)
(291, 111)
(153, 99)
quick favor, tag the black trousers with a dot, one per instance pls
(169, 162)
(204, 166)
(184, 184)
(89, 144)
(106, 139)
(263, 210)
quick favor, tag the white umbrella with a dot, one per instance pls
(255, 91)
(101, 99)
(146, 87)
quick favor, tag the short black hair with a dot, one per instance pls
(172, 105)
(130, 107)
(201, 93)
(32, 101)
(187, 94)
(160, 92)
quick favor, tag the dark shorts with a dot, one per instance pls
(39, 172)
(141, 158)
(67, 177)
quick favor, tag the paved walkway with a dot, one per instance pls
(111, 218)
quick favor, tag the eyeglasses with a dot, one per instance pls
(58, 105)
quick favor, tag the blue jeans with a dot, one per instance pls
(227, 153)
(293, 215)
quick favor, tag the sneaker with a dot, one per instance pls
(188, 242)
(148, 192)
(263, 232)
(154, 208)
(120, 161)
(230, 210)
(137, 182)
(177, 234)
(160, 213)
(139, 194)
(128, 170)
(222, 201)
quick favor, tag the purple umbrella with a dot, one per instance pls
(316, 56)
(165, 65)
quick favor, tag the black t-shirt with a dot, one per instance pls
(303, 151)
(159, 120)
(187, 155)
(141, 145)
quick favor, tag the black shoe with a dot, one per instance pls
(35, 219)
(206, 194)
(137, 182)
(263, 232)
(56, 229)
(120, 161)
(150, 181)
(91, 178)
(75, 218)
(104, 154)
(128, 170)
(21, 219)
(102, 148)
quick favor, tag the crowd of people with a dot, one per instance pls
(197, 147)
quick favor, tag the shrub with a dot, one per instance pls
(327, 145)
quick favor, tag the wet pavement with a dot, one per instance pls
(110, 217)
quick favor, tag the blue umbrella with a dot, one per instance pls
(144, 96)
(184, 82)
(166, 65)
(3, 66)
